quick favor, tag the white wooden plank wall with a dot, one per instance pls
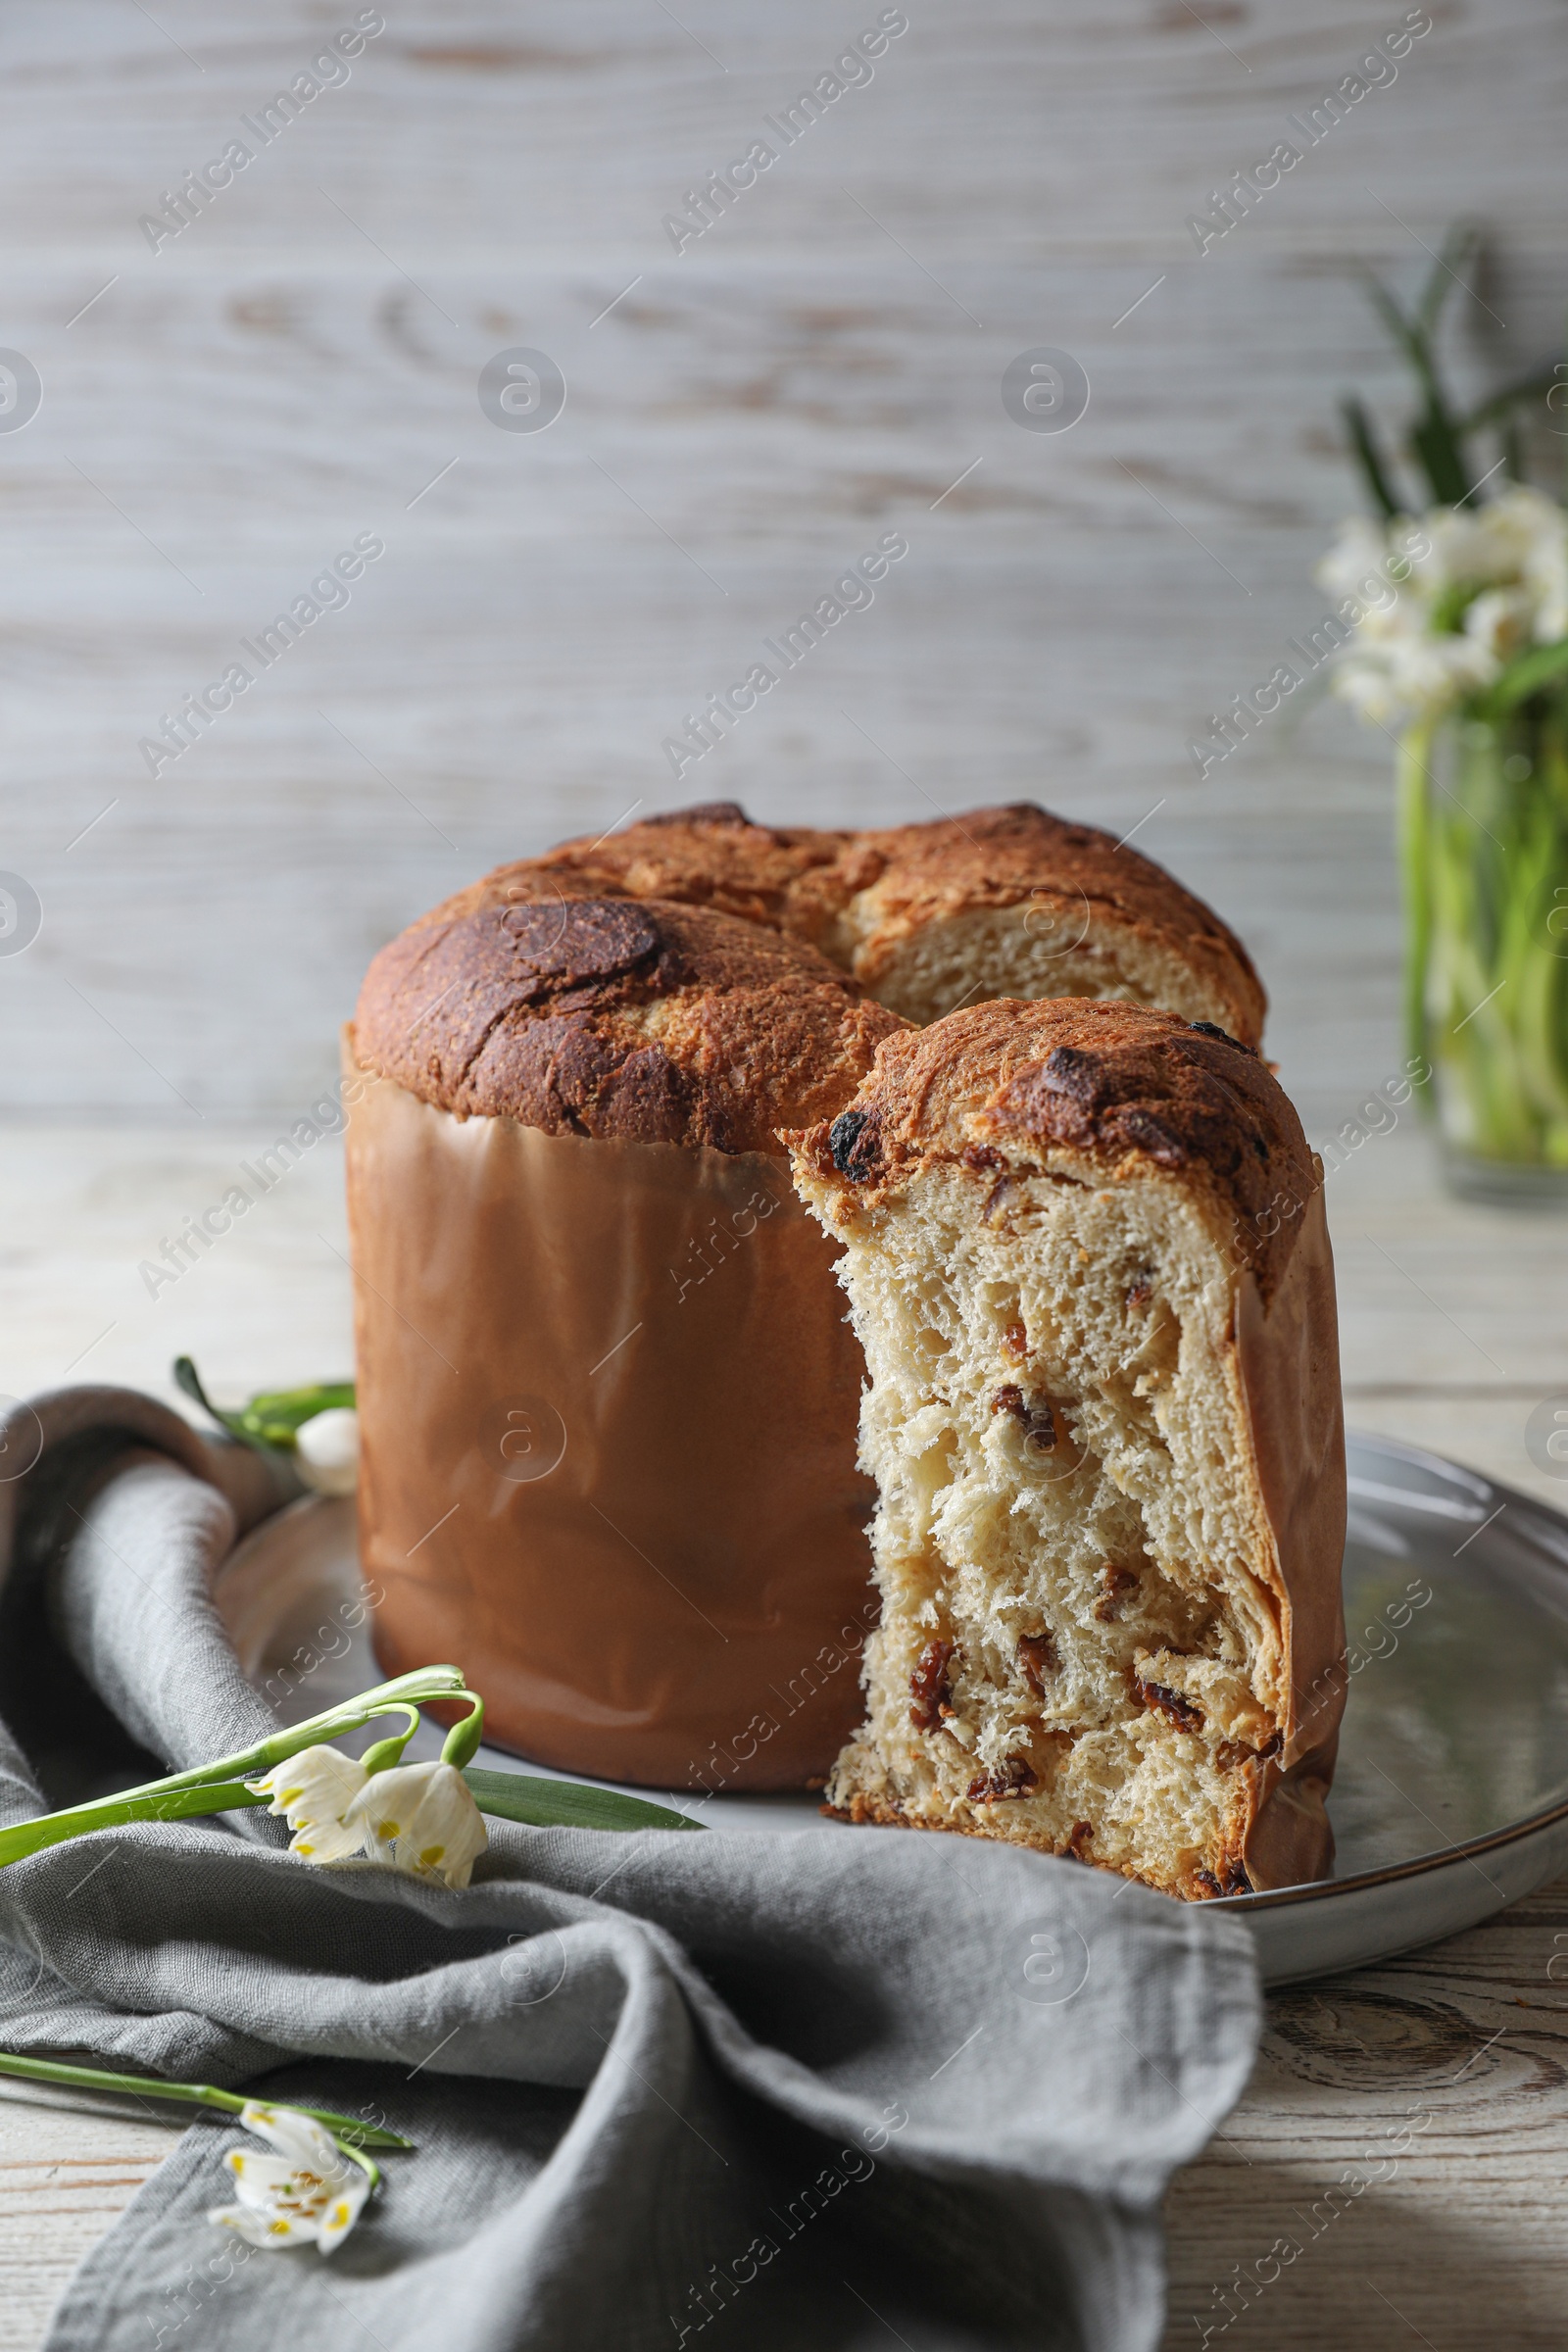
(298, 364)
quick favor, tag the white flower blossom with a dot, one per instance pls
(308, 2193)
(1356, 557)
(1492, 582)
(1502, 622)
(422, 1818)
(314, 1792)
(1397, 679)
(327, 1450)
(1545, 574)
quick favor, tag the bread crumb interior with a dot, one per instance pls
(1075, 1652)
(1052, 947)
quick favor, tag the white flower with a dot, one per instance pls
(328, 1449)
(309, 2192)
(1501, 620)
(1544, 571)
(1519, 537)
(1493, 580)
(1356, 557)
(314, 1792)
(422, 1818)
(1398, 679)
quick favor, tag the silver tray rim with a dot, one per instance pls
(1469, 1849)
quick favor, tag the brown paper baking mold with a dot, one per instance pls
(1288, 1366)
(608, 1404)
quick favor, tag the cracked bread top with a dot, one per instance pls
(638, 1020)
(1096, 1090)
(707, 855)
(863, 897)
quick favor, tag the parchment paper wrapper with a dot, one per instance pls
(1289, 1366)
(608, 1403)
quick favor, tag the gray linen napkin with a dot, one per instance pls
(826, 2090)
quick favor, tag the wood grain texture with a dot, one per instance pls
(301, 360)
(823, 366)
(65, 2177)
(1405, 2133)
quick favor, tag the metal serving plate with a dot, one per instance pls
(1452, 1795)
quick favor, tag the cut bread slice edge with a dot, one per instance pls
(1054, 944)
(1110, 1514)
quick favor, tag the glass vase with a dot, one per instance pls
(1484, 845)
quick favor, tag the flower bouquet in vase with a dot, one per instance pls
(1455, 611)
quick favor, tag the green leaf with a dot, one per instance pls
(1529, 674)
(1407, 333)
(1459, 247)
(187, 1378)
(274, 1416)
(1437, 436)
(1358, 424)
(1433, 440)
(567, 1804)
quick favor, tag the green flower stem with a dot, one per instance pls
(409, 1691)
(1415, 751)
(114, 1812)
(1486, 861)
(350, 2134)
(520, 1796)
(384, 1753)
(222, 1787)
(218, 1787)
(366, 2164)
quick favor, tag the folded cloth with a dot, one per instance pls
(833, 2088)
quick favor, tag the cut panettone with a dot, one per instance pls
(606, 1395)
(1014, 901)
(1006, 901)
(1085, 1257)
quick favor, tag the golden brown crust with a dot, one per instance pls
(1095, 1089)
(863, 897)
(653, 1022)
(715, 856)
(996, 859)
(709, 856)
(524, 882)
